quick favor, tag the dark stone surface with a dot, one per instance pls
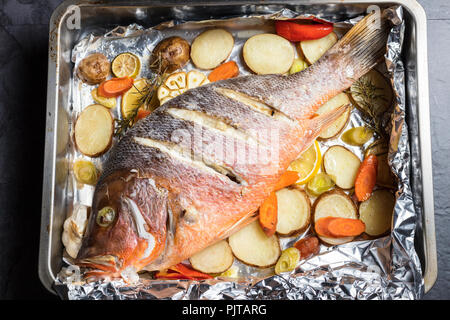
(438, 15)
(23, 70)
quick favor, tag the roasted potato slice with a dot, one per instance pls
(216, 258)
(94, 130)
(211, 48)
(251, 246)
(376, 212)
(314, 49)
(334, 203)
(294, 211)
(336, 127)
(268, 54)
(341, 164)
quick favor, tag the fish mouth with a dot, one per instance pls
(101, 265)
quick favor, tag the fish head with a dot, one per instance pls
(127, 226)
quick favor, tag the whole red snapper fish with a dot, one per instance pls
(198, 168)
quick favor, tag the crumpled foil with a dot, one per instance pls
(385, 268)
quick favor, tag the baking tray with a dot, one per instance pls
(64, 33)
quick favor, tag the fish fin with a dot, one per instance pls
(364, 45)
(323, 121)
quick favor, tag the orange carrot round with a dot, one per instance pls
(115, 87)
(268, 215)
(342, 227)
(226, 70)
(321, 226)
(366, 178)
(288, 178)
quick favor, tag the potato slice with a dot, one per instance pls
(94, 130)
(217, 258)
(251, 246)
(336, 127)
(211, 48)
(314, 49)
(341, 164)
(372, 93)
(334, 203)
(294, 211)
(268, 54)
(376, 212)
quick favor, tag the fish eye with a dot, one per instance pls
(105, 216)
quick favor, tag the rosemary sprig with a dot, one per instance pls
(122, 125)
(367, 92)
(147, 95)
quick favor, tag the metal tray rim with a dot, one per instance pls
(420, 22)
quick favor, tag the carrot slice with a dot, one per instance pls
(321, 226)
(191, 274)
(344, 227)
(268, 215)
(115, 87)
(268, 212)
(226, 70)
(288, 178)
(366, 178)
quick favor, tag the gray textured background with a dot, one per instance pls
(23, 70)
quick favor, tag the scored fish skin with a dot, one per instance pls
(198, 167)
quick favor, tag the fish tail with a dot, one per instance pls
(364, 45)
(356, 53)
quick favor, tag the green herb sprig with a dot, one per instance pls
(368, 94)
(147, 96)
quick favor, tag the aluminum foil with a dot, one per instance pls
(384, 268)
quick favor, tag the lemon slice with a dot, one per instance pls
(126, 65)
(107, 102)
(308, 164)
(132, 98)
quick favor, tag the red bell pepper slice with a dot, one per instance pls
(294, 31)
(171, 276)
(184, 270)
